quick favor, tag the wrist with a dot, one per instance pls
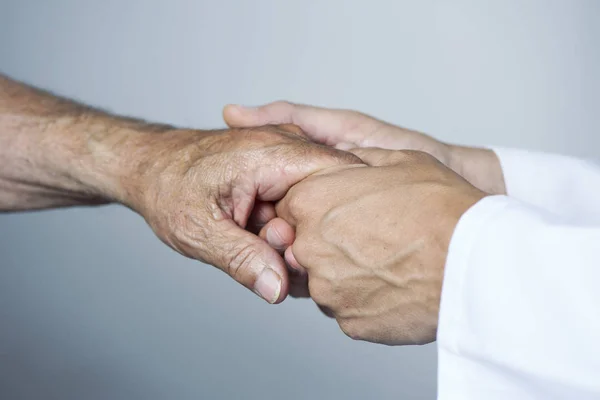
(136, 162)
(56, 152)
(124, 159)
(481, 167)
(109, 157)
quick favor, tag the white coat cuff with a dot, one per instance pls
(464, 238)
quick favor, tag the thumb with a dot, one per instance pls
(250, 261)
(322, 125)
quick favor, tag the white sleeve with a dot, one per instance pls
(520, 309)
(562, 185)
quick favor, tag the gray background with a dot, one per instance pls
(92, 306)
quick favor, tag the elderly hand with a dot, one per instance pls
(349, 129)
(199, 190)
(203, 192)
(373, 241)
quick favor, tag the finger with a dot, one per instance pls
(377, 157)
(294, 129)
(262, 213)
(278, 234)
(322, 125)
(293, 265)
(304, 159)
(291, 261)
(277, 113)
(250, 261)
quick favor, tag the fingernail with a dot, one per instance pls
(268, 285)
(274, 239)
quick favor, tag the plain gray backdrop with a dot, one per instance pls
(93, 306)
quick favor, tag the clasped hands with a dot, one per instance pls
(361, 211)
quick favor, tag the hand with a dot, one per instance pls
(349, 129)
(198, 190)
(374, 240)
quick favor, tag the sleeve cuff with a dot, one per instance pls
(464, 238)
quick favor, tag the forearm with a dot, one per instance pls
(55, 152)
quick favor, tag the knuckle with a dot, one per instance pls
(282, 107)
(297, 197)
(424, 332)
(320, 292)
(416, 329)
(301, 247)
(417, 156)
(351, 328)
(308, 255)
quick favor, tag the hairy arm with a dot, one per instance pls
(203, 193)
(55, 152)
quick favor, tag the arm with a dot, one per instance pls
(55, 152)
(520, 305)
(198, 190)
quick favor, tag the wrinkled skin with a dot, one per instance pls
(346, 129)
(342, 128)
(199, 190)
(373, 241)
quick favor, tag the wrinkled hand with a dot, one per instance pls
(347, 129)
(373, 241)
(200, 190)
